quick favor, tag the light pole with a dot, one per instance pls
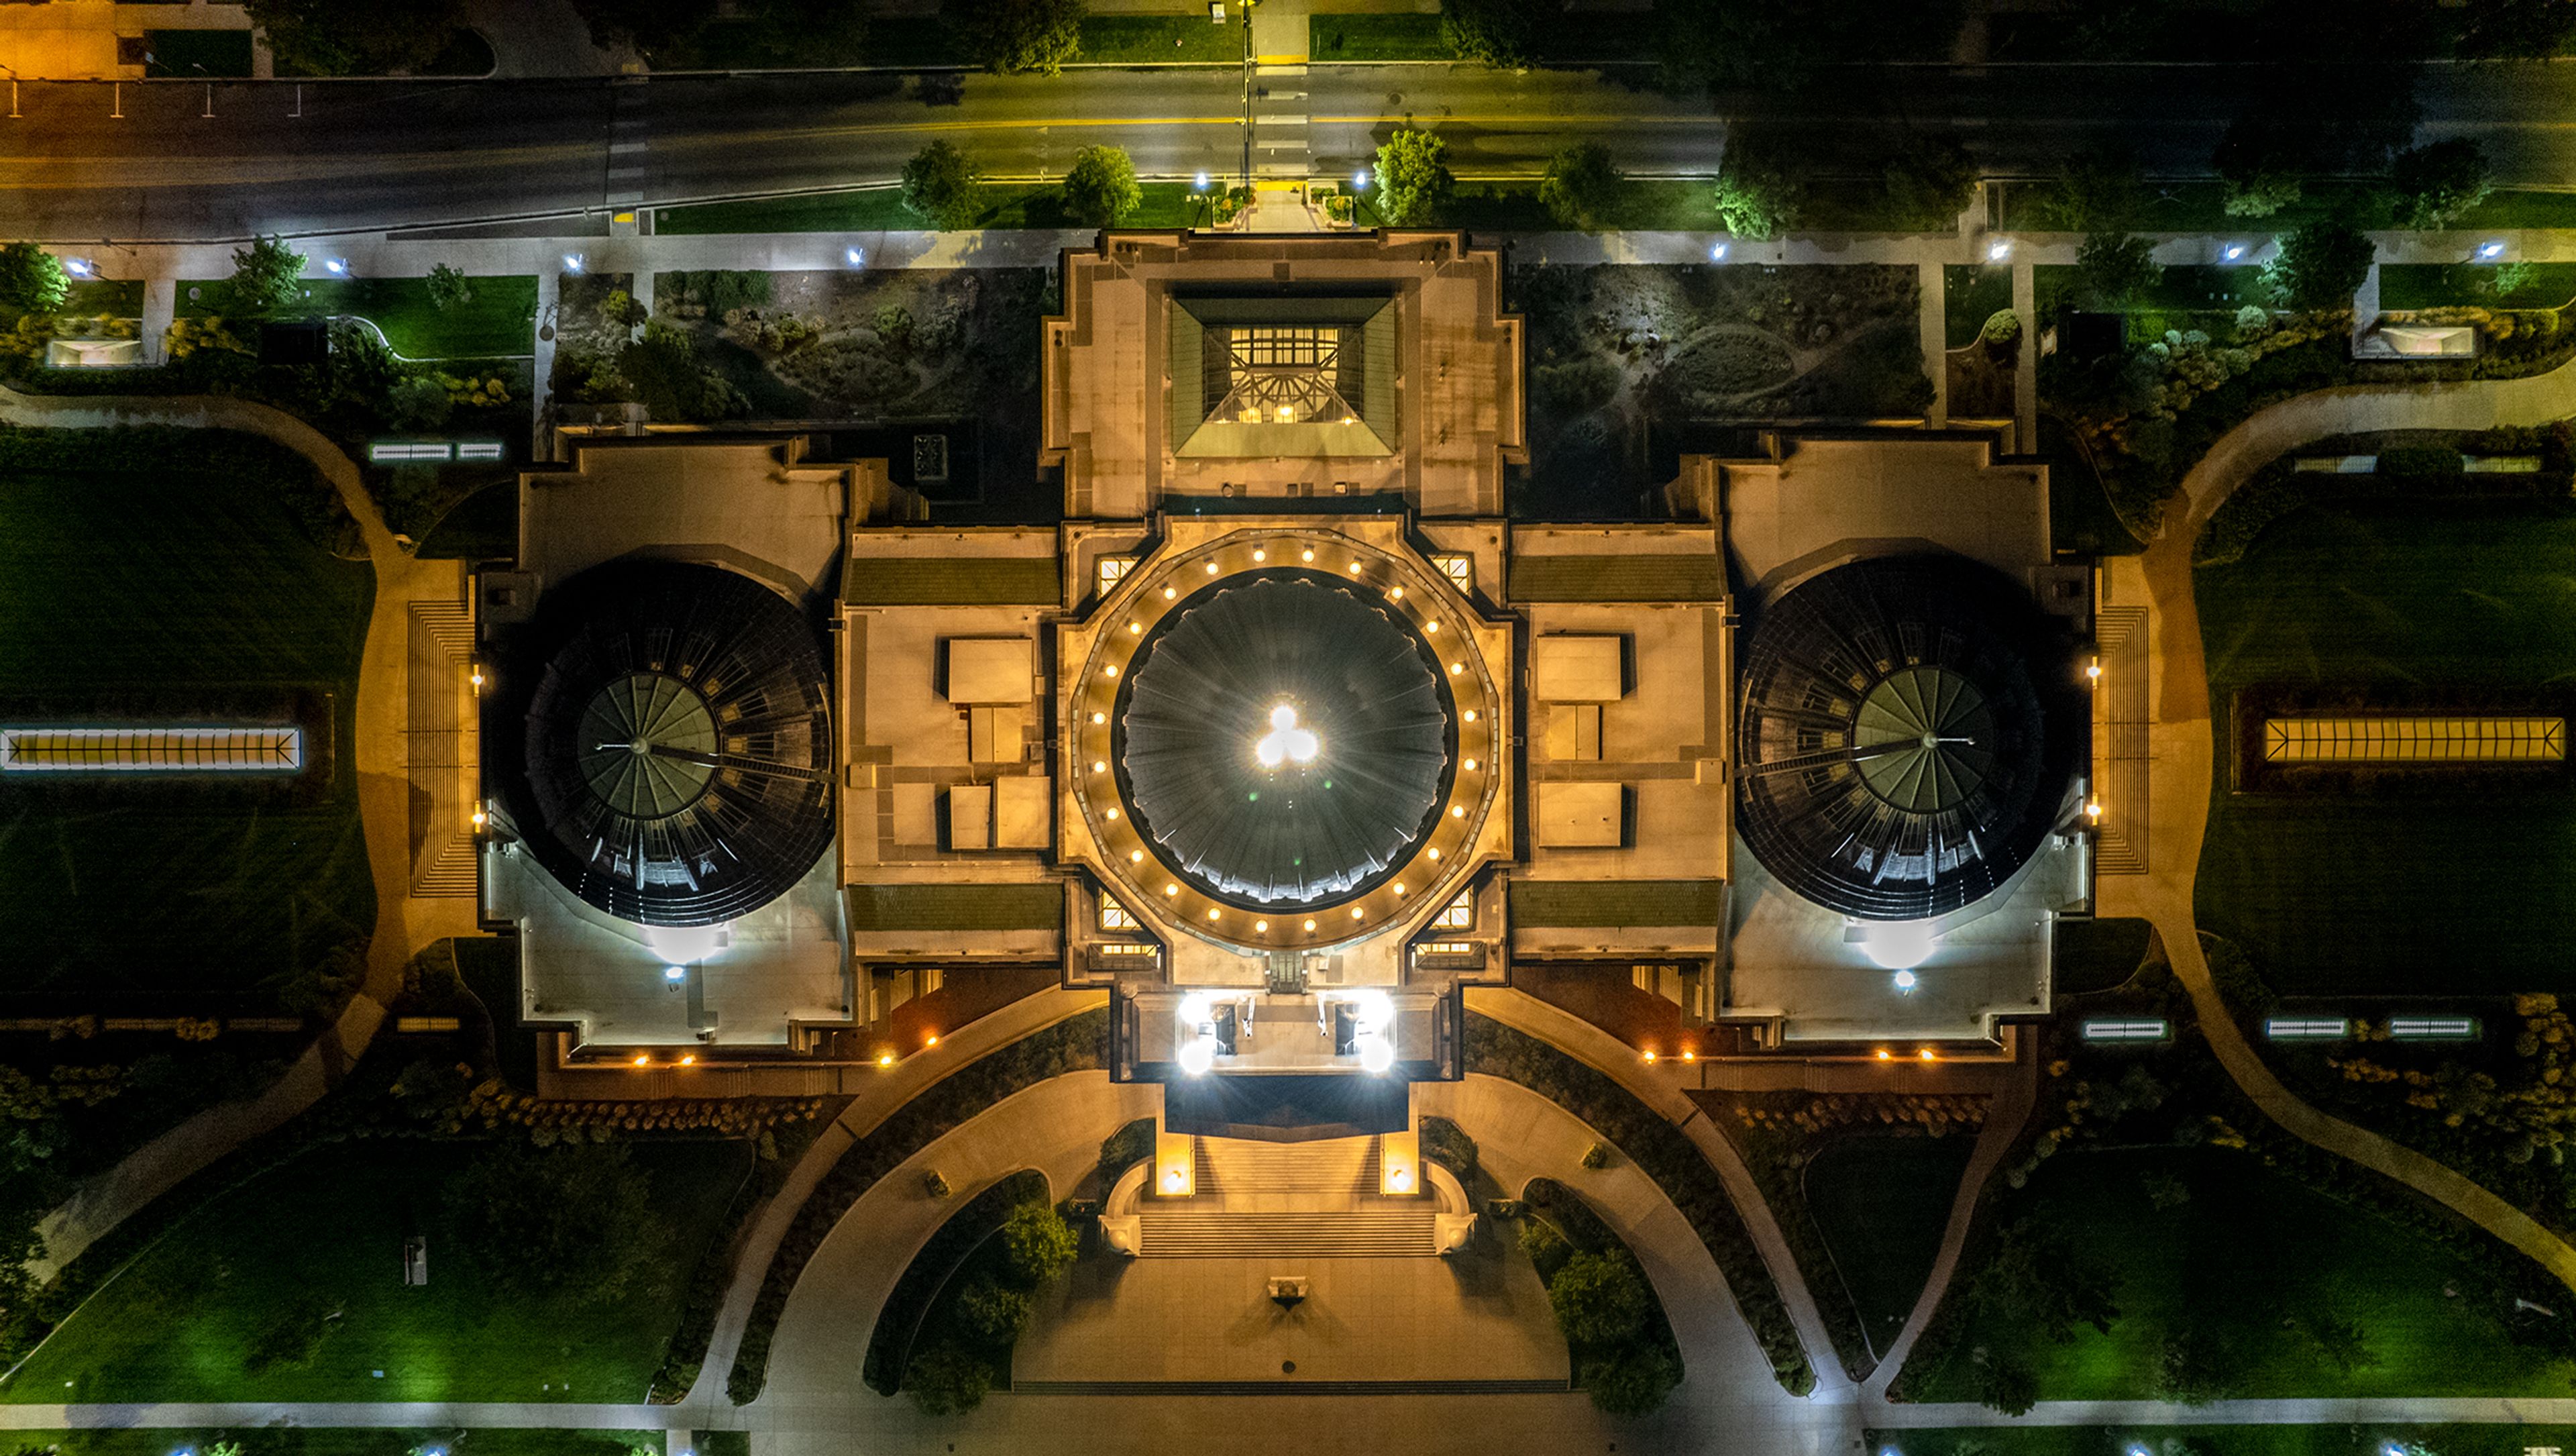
(1247, 91)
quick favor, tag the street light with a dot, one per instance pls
(857, 257)
(2489, 252)
(336, 267)
(78, 267)
(1717, 252)
(572, 263)
(1360, 179)
(2232, 252)
(1999, 250)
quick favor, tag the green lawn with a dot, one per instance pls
(2201, 207)
(499, 321)
(1134, 38)
(2503, 1438)
(1971, 293)
(2443, 285)
(91, 297)
(292, 1440)
(176, 587)
(176, 1324)
(2247, 1248)
(1881, 1204)
(2356, 894)
(1376, 38)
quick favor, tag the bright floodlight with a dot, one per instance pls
(1286, 742)
(1904, 981)
(1717, 252)
(337, 267)
(1373, 1011)
(1194, 1009)
(857, 257)
(675, 973)
(1200, 182)
(1197, 1055)
(572, 262)
(77, 267)
(1360, 179)
(2234, 251)
(1377, 1054)
(2491, 250)
(1899, 945)
(1998, 250)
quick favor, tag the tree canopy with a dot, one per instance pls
(1011, 36)
(1582, 187)
(1101, 187)
(1930, 182)
(1037, 1243)
(337, 38)
(2114, 268)
(31, 280)
(758, 32)
(1599, 1298)
(267, 275)
(2436, 184)
(2320, 265)
(939, 186)
(1412, 176)
(1758, 195)
(2097, 191)
(1503, 33)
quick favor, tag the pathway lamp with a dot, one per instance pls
(2231, 252)
(336, 267)
(856, 257)
(1717, 252)
(1998, 250)
(2489, 252)
(572, 264)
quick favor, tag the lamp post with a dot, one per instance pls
(1247, 91)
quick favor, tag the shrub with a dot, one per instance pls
(893, 323)
(1599, 1298)
(1413, 176)
(1581, 188)
(2320, 265)
(946, 1381)
(2002, 328)
(267, 275)
(2436, 184)
(1447, 1144)
(31, 280)
(1037, 1243)
(1757, 197)
(1545, 1247)
(1930, 183)
(335, 38)
(1013, 36)
(2006, 1384)
(1578, 385)
(2420, 462)
(939, 186)
(2098, 192)
(1125, 1148)
(1504, 33)
(1101, 187)
(993, 1312)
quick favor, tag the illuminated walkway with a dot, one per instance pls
(404, 924)
(2181, 753)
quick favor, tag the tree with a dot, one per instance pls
(939, 186)
(992, 1312)
(1037, 1243)
(421, 403)
(1504, 33)
(2435, 185)
(31, 280)
(1930, 182)
(2194, 1367)
(766, 32)
(1100, 188)
(2114, 268)
(1582, 187)
(336, 38)
(673, 382)
(1007, 37)
(946, 1381)
(2320, 265)
(573, 1221)
(2260, 161)
(1631, 1381)
(1758, 196)
(2041, 1279)
(1412, 177)
(267, 275)
(449, 288)
(1599, 1299)
(2098, 191)
(2006, 1384)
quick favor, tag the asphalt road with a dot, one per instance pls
(355, 156)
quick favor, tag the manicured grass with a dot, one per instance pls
(1113, 39)
(2247, 1248)
(292, 1440)
(2443, 285)
(498, 322)
(1022, 205)
(173, 584)
(2502, 1438)
(1881, 1204)
(176, 1324)
(1971, 293)
(2344, 893)
(1376, 38)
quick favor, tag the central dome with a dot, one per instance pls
(1283, 740)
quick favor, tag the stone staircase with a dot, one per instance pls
(1287, 1200)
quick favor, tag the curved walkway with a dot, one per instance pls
(2179, 775)
(404, 925)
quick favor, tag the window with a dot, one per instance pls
(1114, 916)
(1459, 915)
(1113, 570)
(1461, 571)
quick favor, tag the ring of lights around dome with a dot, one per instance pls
(1428, 605)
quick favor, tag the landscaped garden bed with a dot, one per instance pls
(1631, 364)
(497, 321)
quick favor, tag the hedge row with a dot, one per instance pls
(1077, 1044)
(1663, 1153)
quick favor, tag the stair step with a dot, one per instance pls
(1310, 1235)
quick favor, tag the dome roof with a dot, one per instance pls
(1283, 741)
(677, 763)
(1907, 737)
